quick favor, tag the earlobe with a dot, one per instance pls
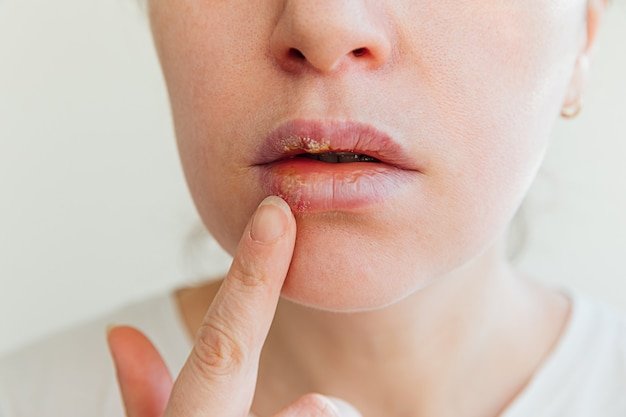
(572, 103)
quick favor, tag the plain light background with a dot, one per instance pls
(94, 211)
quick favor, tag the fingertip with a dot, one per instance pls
(271, 220)
(117, 335)
(316, 404)
(128, 345)
(343, 408)
(112, 330)
(278, 202)
(143, 378)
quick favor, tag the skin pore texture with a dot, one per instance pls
(407, 308)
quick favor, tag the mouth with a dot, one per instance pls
(337, 157)
(333, 142)
(330, 166)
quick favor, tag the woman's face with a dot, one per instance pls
(468, 88)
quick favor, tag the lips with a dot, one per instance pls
(301, 136)
(310, 185)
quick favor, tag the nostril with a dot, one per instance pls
(294, 53)
(359, 52)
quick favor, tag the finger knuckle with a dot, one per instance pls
(217, 352)
(247, 273)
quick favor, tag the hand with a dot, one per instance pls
(219, 377)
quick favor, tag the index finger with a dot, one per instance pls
(219, 376)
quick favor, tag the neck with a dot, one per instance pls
(413, 357)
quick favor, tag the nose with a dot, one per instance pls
(327, 35)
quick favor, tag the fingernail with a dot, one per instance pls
(343, 408)
(270, 220)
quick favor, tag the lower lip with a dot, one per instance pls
(309, 185)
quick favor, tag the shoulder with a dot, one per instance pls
(606, 342)
(60, 371)
(602, 330)
(586, 374)
(597, 374)
(71, 373)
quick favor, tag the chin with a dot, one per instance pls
(345, 264)
(342, 270)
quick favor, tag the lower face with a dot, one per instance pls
(470, 89)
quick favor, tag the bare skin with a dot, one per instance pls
(445, 326)
(219, 377)
(401, 362)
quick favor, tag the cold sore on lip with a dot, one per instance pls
(309, 184)
(333, 165)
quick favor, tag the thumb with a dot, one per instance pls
(344, 408)
(143, 378)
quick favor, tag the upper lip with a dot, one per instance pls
(298, 136)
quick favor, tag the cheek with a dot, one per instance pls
(495, 89)
(208, 71)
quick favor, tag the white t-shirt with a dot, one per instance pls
(71, 374)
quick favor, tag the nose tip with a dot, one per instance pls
(326, 36)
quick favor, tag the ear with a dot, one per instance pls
(595, 10)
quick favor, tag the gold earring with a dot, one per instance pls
(570, 112)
